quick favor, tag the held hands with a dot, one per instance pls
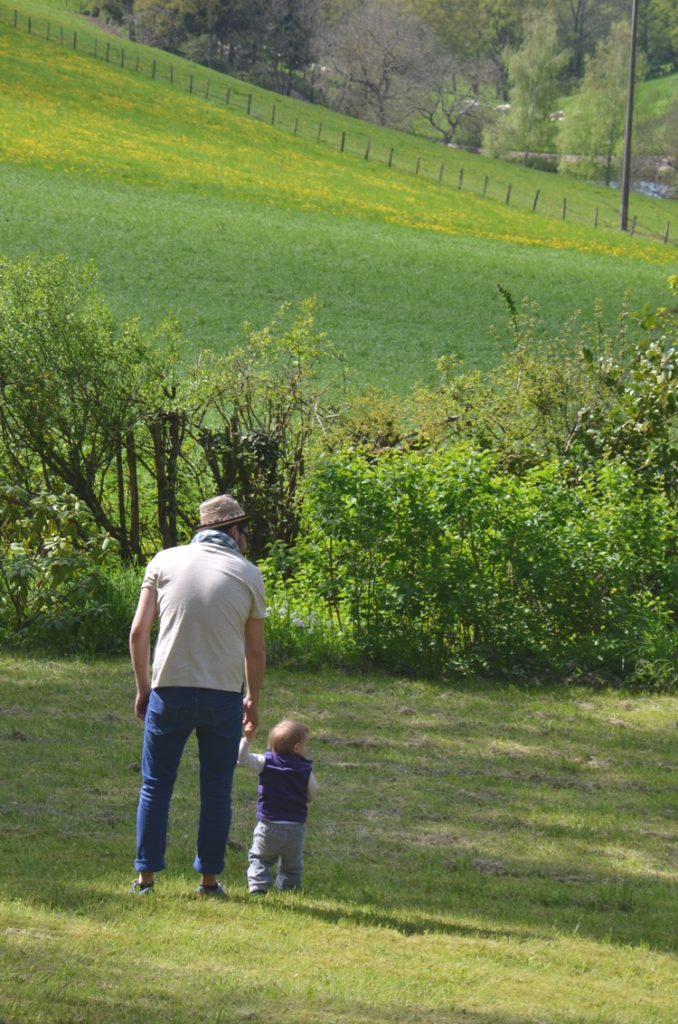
(250, 731)
(251, 716)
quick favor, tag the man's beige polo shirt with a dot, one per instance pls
(205, 595)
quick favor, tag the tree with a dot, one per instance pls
(263, 404)
(590, 136)
(478, 29)
(374, 54)
(533, 75)
(162, 24)
(658, 34)
(450, 98)
(582, 24)
(70, 381)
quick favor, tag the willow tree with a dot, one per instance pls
(591, 134)
(533, 88)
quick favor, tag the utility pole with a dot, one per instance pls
(626, 158)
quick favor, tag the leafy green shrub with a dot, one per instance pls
(112, 605)
(51, 564)
(582, 396)
(437, 561)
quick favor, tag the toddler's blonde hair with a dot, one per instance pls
(284, 736)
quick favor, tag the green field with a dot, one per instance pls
(477, 855)
(192, 208)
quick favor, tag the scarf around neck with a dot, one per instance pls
(216, 537)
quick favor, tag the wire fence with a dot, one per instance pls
(279, 112)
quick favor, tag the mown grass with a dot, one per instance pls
(482, 854)
(192, 208)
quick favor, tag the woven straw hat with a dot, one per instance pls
(221, 511)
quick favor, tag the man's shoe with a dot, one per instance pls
(211, 890)
(138, 888)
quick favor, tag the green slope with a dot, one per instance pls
(193, 208)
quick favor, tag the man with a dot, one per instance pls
(210, 605)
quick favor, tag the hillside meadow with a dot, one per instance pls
(478, 854)
(191, 208)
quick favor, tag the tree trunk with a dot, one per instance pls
(133, 482)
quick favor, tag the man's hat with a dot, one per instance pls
(221, 511)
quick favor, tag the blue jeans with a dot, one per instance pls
(173, 713)
(275, 841)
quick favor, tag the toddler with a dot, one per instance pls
(286, 784)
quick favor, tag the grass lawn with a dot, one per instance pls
(193, 209)
(485, 855)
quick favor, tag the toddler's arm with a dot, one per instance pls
(312, 790)
(255, 762)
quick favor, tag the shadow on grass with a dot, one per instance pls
(376, 917)
(609, 911)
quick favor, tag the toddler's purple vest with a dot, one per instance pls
(283, 787)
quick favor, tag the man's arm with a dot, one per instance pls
(255, 665)
(140, 648)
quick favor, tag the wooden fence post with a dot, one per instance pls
(228, 97)
(343, 142)
(595, 220)
(320, 131)
(171, 74)
(461, 177)
(485, 184)
(108, 52)
(30, 25)
(190, 83)
(296, 125)
(48, 30)
(666, 234)
(122, 57)
(508, 195)
(16, 15)
(633, 225)
(418, 165)
(249, 103)
(153, 71)
(536, 200)
(273, 114)
(75, 40)
(367, 149)
(564, 207)
(390, 158)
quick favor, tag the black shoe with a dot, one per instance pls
(211, 890)
(138, 888)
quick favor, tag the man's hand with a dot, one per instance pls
(250, 731)
(251, 716)
(141, 704)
